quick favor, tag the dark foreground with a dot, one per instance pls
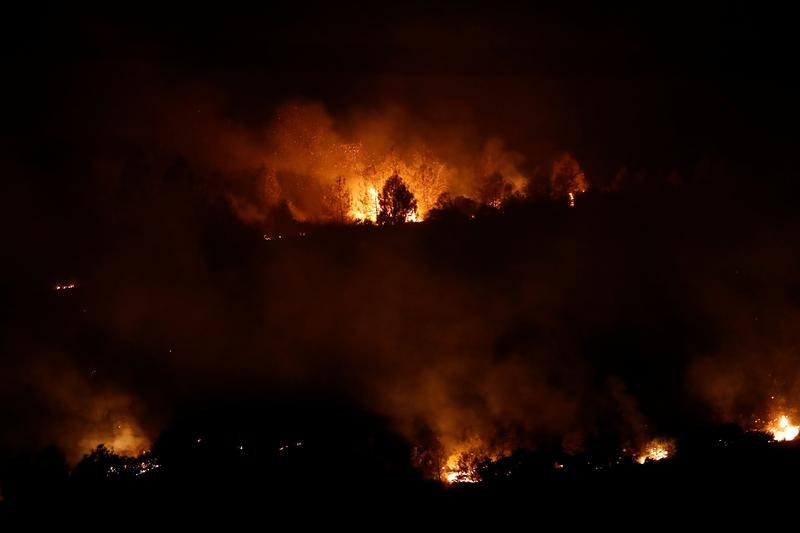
(722, 475)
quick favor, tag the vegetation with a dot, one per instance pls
(396, 203)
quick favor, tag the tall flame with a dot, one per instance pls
(782, 429)
(364, 206)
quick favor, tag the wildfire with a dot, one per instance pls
(656, 450)
(464, 458)
(782, 429)
(65, 286)
(365, 206)
(308, 148)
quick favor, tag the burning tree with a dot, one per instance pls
(339, 201)
(396, 203)
(449, 208)
(428, 181)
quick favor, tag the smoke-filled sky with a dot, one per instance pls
(149, 154)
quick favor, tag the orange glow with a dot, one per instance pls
(329, 171)
(782, 429)
(423, 175)
(459, 469)
(65, 286)
(567, 179)
(656, 450)
(124, 438)
(463, 459)
(364, 206)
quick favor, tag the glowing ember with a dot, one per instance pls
(136, 466)
(146, 466)
(656, 450)
(125, 465)
(782, 429)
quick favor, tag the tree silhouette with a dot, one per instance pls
(449, 208)
(98, 464)
(396, 202)
(494, 190)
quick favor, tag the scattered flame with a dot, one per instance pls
(136, 466)
(782, 429)
(656, 450)
(65, 286)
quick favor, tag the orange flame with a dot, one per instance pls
(464, 458)
(656, 450)
(782, 429)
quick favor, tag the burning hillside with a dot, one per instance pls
(449, 250)
(324, 174)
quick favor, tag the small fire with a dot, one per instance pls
(782, 429)
(65, 286)
(571, 199)
(459, 469)
(656, 450)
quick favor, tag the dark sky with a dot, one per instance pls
(656, 83)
